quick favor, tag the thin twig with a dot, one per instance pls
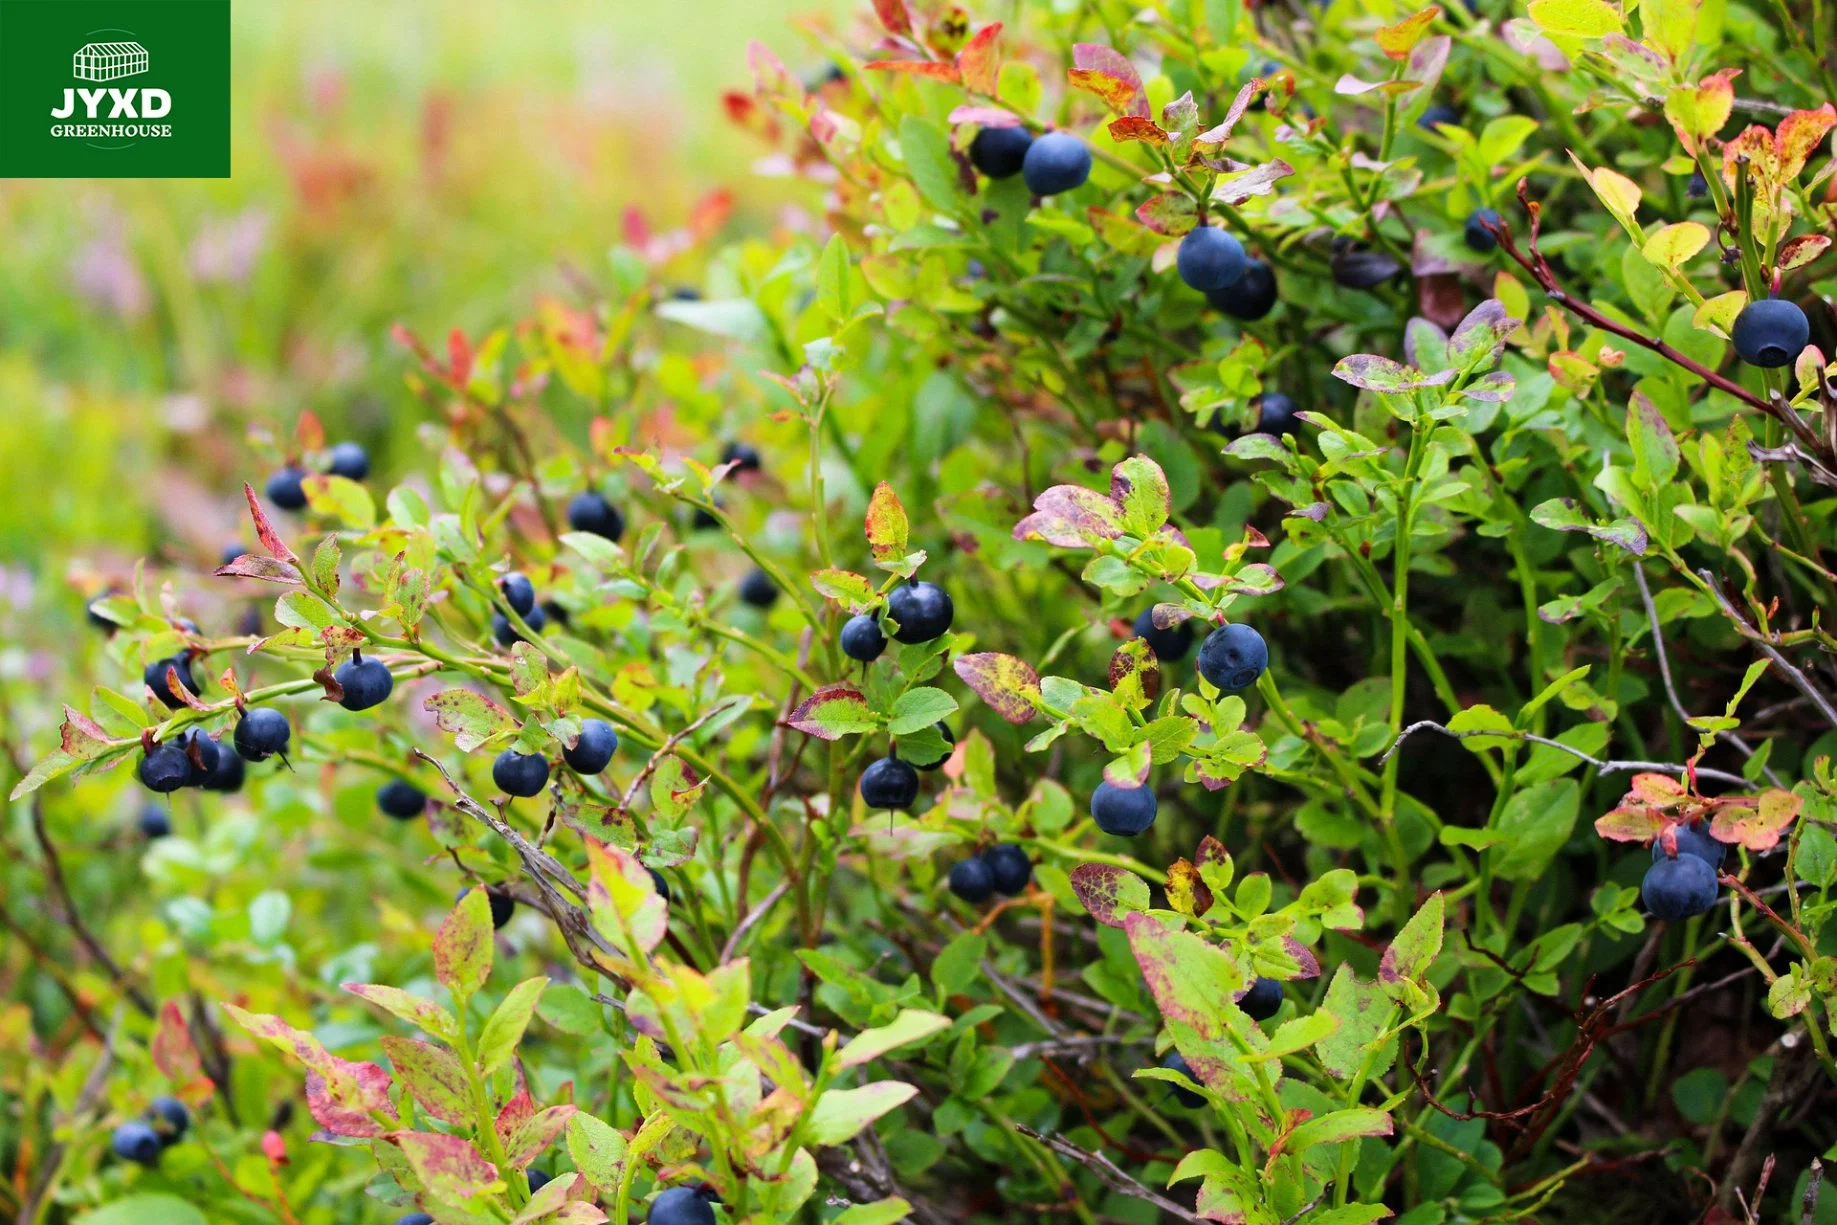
(670, 743)
(1109, 1173)
(753, 916)
(1795, 676)
(1603, 767)
(54, 876)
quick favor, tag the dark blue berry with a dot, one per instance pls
(227, 774)
(1262, 999)
(231, 552)
(971, 880)
(1437, 115)
(1679, 888)
(520, 774)
(758, 589)
(1770, 332)
(285, 489)
(137, 1142)
(1169, 644)
(201, 755)
(680, 1206)
(366, 683)
(519, 593)
(350, 460)
(161, 685)
(923, 611)
(889, 783)
(165, 769)
(1232, 657)
(862, 638)
(1010, 867)
(538, 1179)
(261, 733)
(591, 753)
(590, 512)
(661, 885)
(1698, 187)
(170, 1118)
(507, 635)
(1056, 162)
(1123, 811)
(154, 821)
(1477, 235)
(400, 799)
(1276, 414)
(1176, 1062)
(999, 152)
(1693, 840)
(1356, 268)
(1210, 259)
(415, 1218)
(743, 454)
(1251, 296)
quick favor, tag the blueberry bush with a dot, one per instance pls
(1223, 619)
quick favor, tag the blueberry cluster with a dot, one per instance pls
(287, 489)
(919, 612)
(1683, 886)
(1004, 868)
(162, 1125)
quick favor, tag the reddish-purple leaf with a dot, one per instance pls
(1222, 132)
(1071, 517)
(1010, 686)
(985, 117)
(1757, 825)
(893, 16)
(432, 1076)
(979, 63)
(176, 1056)
(254, 565)
(347, 1100)
(449, 1167)
(1172, 213)
(264, 530)
(1123, 82)
(1109, 892)
(918, 68)
(536, 1133)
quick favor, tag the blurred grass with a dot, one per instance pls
(432, 161)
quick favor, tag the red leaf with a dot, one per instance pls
(893, 16)
(459, 359)
(308, 434)
(985, 117)
(264, 530)
(1097, 59)
(1757, 824)
(449, 1167)
(979, 63)
(175, 1055)
(934, 69)
(346, 1101)
(1134, 127)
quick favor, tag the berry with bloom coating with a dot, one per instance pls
(1251, 296)
(170, 1118)
(1275, 413)
(1176, 1062)
(591, 512)
(520, 774)
(1169, 644)
(285, 489)
(758, 589)
(680, 1206)
(1010, 867)
(366, 683)
(507, 635)
(519, 593)
(862, 638)
(971, 880)
(591, 753)
(160, 683)
(154, 822)
(999, 152)
(1210, 259)
(400, 799)
(923, 611)
(889, 783)
(201, 755)
(165, 769)
(1262, 999)
(1693, 840)
(1123, 811)
(349, 460)
(1232, 657)
(1056, 162)
(261, 733)
(1679, 888)
(137, 1142)
(1770, 332)
(227, 774)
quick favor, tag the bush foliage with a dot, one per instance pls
(1383, 637)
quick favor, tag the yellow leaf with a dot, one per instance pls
(1718, 313)
(1673, 245)
(1581, 18)
(1620, 194)
(1396, 41)
(1670, 25)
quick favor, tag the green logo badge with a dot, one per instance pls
(114, 89)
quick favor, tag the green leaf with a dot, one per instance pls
(569, 1009)
(734, 318)
(472, 718)
(926, 150)
(880, 1212)
(152, 1209)
(910, 1026)
(918, 708)
(833, 271)
(1482, 718)
(957, 963)
(1581, 18)
(1655, 450)
(342, 499)
(833, 712)
(598, 1149)
(1338, 1126)
(840, 1114)
(462, 946)
(1415, 946)
(1536, 822)
(425, 1015)
(497, 1042)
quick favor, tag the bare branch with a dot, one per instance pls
(54, 876)
(1604, 767)
(1109, 1173)
(1794, 675)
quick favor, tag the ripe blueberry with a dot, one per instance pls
(551, 611)
(1262, 999)
(597, 743)
(349, 460)
(862, 639)
(226, 775)
(1679, 888)
(402, 800)
(154, 822)
(518, 592)
(971, 880)
(137, 1142)
(503, 905)
(169, 1118)
(1275, 414)
(366, 683)
(507, 635)
(415, 1218)
(520, 774)
(1232, 657)
(758, 589)
(950, 743)
(231, 552)
(999, 152)
(590, 512)
(923, 611)
(889, 783)
(1123, 811)
(703, 520)
(1476, 235)
(1056, 162)
(1693, 840)
(261, 733)
(1359, 269)
(1770, 332)
(285, 489)
(161, 685)
(680, 1206)
(165, 769)
(1210, 259)
(1698, 187)
(661, 885)
(1439, 114)
(201, 755)
(1169, 644)
(1010, 867)
(1176, 1062)
(538, 1179)
(744, 454)
(1251, 296)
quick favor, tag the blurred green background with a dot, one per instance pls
(439, 162)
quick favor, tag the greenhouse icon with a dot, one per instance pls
(109, 61)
